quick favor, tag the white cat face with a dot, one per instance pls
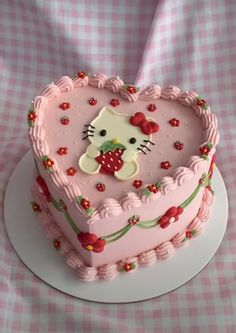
(112, 126)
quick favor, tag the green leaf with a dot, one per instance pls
(90, 211)
(193, 232)
(79, 198)
(110, 146)
(146, 192)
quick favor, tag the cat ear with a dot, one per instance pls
(107, 111)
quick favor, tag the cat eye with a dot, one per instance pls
(103, 132)
(132, 140)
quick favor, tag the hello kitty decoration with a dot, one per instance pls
(116, 139)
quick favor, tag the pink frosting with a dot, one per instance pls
(196, 163)
(52, 231)
(108, 272)
(208, 197)
(170, 92)
(59, 178)
(147, 258)
(130, 201)
(168, 184)
(114, 84)
(209, 120)
(179, 240)
(109, 207)
(86, 273)
(65, 84)
(187, 98)
(41, 148)
(165, 250)
(211, 135)
(36, 133)
(72, 191)
(39, 103)
(128, 96)
(183, 175)
(51, 91)
(79, 82)
(73, 259)
(150, 93)
(196, 225)
(97, 80)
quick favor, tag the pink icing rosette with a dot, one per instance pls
(97, 80)
(114, 84)
(150, 93)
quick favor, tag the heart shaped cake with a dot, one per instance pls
(122, 174)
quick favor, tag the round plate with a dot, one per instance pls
(41, 258)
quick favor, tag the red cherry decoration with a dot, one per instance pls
(131, 89)
(85, 203)
(151, 107)
(71, 171)
(165, 165)
(101, 187)
(64, 106)
(137, 183)
(62, 151)
(114, 102)
(92, 101)
(174, 122)
(179, 145)
(65, 120)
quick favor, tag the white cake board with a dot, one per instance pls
(162, 277)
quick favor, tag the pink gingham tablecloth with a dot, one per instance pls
(191, 44)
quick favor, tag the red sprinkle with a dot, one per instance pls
(64, 105)
(165, 165)
(81, 75)
(174, 122)
(114, 102)
(179, 145)
(62, 151)
(85, 203)
(131, 89)
(71, 171)
(65, 120)
(92, 101)
(100, 187)
(137, 183)
(152, 107)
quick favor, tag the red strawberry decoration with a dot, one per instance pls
(71, 171)
(179, 145)
(174, 122)
(137, 183)
(62, 151)
(85, 203)
(92, 101)
(115, 102)
(152, 107)
(64, 106)
(65, 120)
(165, 165)
(101, 187)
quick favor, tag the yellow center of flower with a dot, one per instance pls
(89, 247)
(115, 141)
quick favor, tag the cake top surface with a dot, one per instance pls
(114, 144)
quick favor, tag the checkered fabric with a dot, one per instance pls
(188, 43)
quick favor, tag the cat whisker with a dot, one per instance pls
(149, 141)
(88, 131)
(142, 151)
(145, 147)
(88, 135)
(89, 125)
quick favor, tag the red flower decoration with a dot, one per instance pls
(32, 116)
(188, 233)
(179, 145)
(153, 188)
(174, 122)
(205, 150)
(65, 120)
(92, 101)
(137, 183)
(165, 165)
(131, 89)
(64, 106)
(71, 171)
(101, 187)
(62, 151)
(48, 163)
(170, 216)
(85, 203)
(43, 188)
(91, 242)
(134, 220)
(151, 107)
(36, 207)
(114, 102)
(127, 266)
(81, 75)
(57, 244)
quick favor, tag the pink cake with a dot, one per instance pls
(122, 174)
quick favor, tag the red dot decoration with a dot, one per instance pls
(92, 101)
(151, 107)
(71, 171)
(174, 122)
(100, 187)
(64, 106)
(137, 183)
(115, 102)
(65, 120)
(165, 165)
(62, 151)
(179, 145)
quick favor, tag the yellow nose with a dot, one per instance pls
(116, 140)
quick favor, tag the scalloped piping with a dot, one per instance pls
(110, 271)
(115, 84)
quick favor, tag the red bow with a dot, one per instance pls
(146, 126)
